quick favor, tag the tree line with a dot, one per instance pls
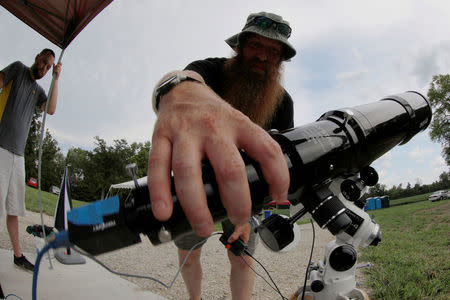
(398, 191)
(92, 172)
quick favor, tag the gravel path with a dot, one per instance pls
(287, 269)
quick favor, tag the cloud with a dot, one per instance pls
(433, 60)
(351, 75)
(420, 154)
(438, 161)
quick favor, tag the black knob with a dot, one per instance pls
(369, 176)
(276, 232)
(317, 286)
(343, 258)
(377, 239)
(350, 190)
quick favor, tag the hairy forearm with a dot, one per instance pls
(53, 99)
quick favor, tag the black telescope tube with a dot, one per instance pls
(339, 143)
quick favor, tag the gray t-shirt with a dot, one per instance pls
(18, 100)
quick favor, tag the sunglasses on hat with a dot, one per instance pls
(266, 23)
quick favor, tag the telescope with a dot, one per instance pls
(341, 144)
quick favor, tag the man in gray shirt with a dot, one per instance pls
(20, 95)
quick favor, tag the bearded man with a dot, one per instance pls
(211, 110)
(19, 97)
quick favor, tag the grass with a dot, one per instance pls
(49, 201)
(412, 261)
(412, 199)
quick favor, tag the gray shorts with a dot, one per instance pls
(12, 184)
(187, 241)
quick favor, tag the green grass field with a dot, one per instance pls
(49, 201)
(412, 199)
(413, 259)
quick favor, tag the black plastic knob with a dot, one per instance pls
(369, 176)
(276, 232)
(350, 190)
(343, 258)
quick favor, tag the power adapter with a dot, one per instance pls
(237, 247)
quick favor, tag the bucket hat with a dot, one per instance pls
(268, 25)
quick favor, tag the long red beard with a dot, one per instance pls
(256, 95)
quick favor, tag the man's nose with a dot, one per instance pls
(262, 55)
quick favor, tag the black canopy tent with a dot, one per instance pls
(59, 21)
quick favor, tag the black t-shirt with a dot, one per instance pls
(211, 69)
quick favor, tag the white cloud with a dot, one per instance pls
(420, 154)
(438, 161)
(351, 75)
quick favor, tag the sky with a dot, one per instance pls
(348, 53)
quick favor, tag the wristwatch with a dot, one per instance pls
(167, 85)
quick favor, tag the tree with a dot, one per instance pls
(77, 160)
(377, 190)
(52, 164)
(141, 153)
(439, 96)
(444, 179)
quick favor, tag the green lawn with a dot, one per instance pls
(413, 259)
(49, 201)
(412, 199)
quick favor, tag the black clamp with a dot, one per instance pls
(237, 247)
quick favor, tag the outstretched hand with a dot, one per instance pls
(194, 123)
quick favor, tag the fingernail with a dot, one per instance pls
(159, 205)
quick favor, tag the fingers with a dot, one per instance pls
(57, 69)
(240, 231)
(159, 183)
(231, 177)
(260, 146)
(187, 172)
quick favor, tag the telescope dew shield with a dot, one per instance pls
(347, 140)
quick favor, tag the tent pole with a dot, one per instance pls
(41, 141)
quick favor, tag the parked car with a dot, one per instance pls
(32, 182)
(438, 195)
(54, 190)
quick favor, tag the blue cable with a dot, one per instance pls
(58, 240)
